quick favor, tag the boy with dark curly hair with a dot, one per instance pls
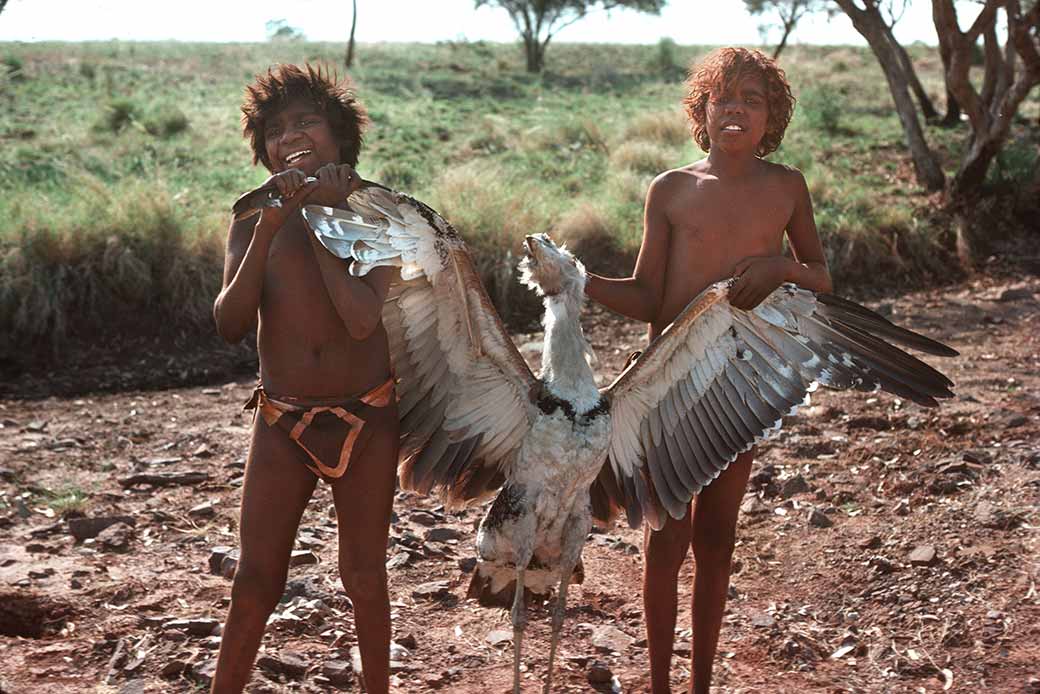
(723, 216)
(325, 407)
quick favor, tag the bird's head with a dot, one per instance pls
(550, 269)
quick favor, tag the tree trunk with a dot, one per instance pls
(927, 108)
(788, 28)
(872, 27)
(535, 54)
(350, 44)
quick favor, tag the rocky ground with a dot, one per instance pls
(882, 547)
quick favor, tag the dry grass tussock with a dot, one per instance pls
(593, 237)
(643, 157)
(134, 263)
(493, 213)
(668, 128)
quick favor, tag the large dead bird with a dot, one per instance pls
(555, 448)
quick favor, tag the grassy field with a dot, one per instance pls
(118, 162)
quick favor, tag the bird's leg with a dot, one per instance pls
(578, 527)
(519, 613)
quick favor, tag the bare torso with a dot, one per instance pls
(305, 348)
(715, 224)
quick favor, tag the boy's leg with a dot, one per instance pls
(714, 534)
(276, 490)
(665, 550)
(364, 497)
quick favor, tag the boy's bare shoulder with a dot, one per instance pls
(684, 178)
(787, 175)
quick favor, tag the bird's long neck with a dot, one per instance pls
(565, 369)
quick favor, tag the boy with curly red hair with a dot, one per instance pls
(723, 216)
(326, 407)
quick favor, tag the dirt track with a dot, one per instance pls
(846, 608)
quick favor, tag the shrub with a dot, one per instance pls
(663, 127)
(118, 114)
(821, 108)
(165, 121)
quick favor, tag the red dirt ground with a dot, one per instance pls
(832, 609)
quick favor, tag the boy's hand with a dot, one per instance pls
(293, 186)
(757, 278)
(335, 183)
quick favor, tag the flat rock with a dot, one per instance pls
(338, 672)
(116, 538)
(399, 560)
(216, 558)
(434, 590)
(819, 519)
(200, 626)
(497, 637)
(203, 510)
(424, 518)
(610, 638)
(441, 534)
(762, 619)
(794, 485)
(286, 663)
(923, 555)
(203, 671)
(467, 564)
(86, 528)
(302, 557)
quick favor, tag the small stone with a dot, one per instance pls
(399, 560)
(1016, 421)
(202, 626)
(216, 558)
(902, 508)
(752, 505)
(763, 620)
(977, 456)
(285, 663)
(338, 672)
(1015, 294)
(609, 638)
(204, 671)
(467, 564)
(174, 667)
(86, 528)
(441, 534)
(229, 565)
(497, 637)
(116, 538)
(302, 557)
(793, 486)
(132, 687)
(924, 555)
(424, 518)
(203, 510)
(434, 590)
(819, 519)
(408, 641)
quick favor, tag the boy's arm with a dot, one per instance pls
(640, 295)
(358, 301)
(249, 240)
(758, 277)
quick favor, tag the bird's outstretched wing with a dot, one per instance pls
(464, 390)
(719, 380)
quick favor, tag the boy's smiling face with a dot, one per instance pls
(737, 119)
(299, 137)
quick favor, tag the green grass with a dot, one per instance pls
(118, 162)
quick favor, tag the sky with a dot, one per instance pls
(686, 22)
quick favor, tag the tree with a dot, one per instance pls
(870, 23)
(349, 60)
(279, 30)
(3, 4)
(1009, 73)
(539, 20)
(787, 11)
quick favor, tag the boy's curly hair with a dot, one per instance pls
(286, 83)
(718, 72)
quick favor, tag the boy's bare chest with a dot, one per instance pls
(737, 217)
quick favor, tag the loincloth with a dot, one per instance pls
(328, 430)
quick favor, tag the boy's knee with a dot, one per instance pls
(665, 556)
(256, 589)
(714, 545)
(364, 582)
